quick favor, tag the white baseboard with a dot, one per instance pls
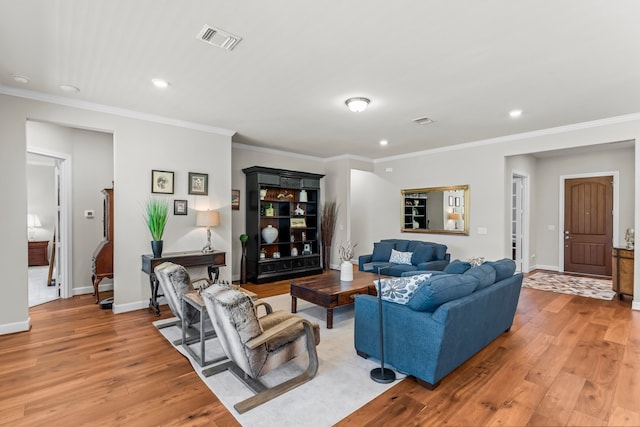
(544, 267)
(89, 289)
(138, 305)
(635, 305)
(12, 328)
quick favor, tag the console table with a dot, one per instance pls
(622, 277)
(213, 261)
(38, 252)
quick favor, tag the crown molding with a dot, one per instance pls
(518, 136)
(122, 112)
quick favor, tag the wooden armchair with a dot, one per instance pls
(256, 345)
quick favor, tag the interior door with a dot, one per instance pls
(517, 220)
(588, 225)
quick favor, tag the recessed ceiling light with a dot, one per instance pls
(515, 113)
(357, 105)
(69, 88)
(20, 79)
(160, 83)
(384, 142)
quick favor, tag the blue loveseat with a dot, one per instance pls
(418, 255)
(437, 323)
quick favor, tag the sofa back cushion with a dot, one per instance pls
(382, 251)
(398, 244)
(485, 274)
(504, 268)
(400, 289)
(440, 289)
(457, 267)
(422, 253)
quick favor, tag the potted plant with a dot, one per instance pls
(327, 227)
(156, 215)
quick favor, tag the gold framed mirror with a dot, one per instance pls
(436, 210)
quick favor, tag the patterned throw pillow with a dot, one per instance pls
(476, 261)
(400, 289)
(398, 257)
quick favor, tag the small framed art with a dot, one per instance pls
(180, 207)
(198, 183)
(235, 200)
(161, 182)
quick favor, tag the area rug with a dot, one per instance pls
(581, 286)
(341, 385)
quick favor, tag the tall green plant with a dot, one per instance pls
(157, 213)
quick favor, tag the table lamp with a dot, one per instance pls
(208, 219)
(33, 222)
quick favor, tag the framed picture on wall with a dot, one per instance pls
(198, 183)
(180, 207)
(161, 182)
(235, 200)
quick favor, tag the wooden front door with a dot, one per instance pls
(588, 225)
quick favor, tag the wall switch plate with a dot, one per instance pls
(482, 230)
(551, 227)
(89, 214)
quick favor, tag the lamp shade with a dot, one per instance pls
(454, 216)
(33, 220)
(208, 218)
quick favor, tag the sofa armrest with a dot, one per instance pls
(437, 265)
(362, 260)
(447, 257)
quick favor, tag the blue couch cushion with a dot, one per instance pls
(413, 244)
(397, 269)
(457, 267)
(485, 274)
(398, 244)
(504, 268)
(400, 289)
(422, 253)
(440, 289)
(440, 250)
(381, 252)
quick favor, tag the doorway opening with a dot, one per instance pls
(519, 209)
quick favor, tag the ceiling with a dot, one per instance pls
(464, 64)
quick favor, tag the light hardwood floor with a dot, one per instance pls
(566, 361)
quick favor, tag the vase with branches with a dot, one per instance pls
(327, 228)
(346, 254)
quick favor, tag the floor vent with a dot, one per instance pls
(217, 37)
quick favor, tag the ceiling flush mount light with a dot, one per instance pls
(160, 83)
(20, 79)
(384, 142)
(515, 113)
(357, 105)
(69, 88)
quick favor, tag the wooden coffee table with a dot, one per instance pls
(328, 291)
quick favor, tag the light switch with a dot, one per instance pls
(482, 230)
(89, 214)
(551, 227)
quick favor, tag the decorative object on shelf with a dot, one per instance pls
(293, 238)
(298, 210)
(198, 183)
(161, 182)
(294, 251)
(306, 250)
(263, 253)
(180, 207)
(268, 209)
(327, 228)
(269, 233)
(346, 268)
(304, 236)
(276, 255)
(630, 238)
(235, 200)
(285, 195)
(303, 196)
(33, 222)
(298, 223)
(157, 213)
(263, 193)
(208, 219)
(243, 260)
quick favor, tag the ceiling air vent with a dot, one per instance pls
(218, 37)
(422, 120)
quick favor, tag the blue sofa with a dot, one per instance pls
(423, 256)
(447, 319)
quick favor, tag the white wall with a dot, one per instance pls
(139, 146)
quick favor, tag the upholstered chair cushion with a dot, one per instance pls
(174, 281)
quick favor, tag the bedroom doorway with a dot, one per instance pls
(519, 237)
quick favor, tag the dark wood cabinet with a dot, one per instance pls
(622, 266)
(288, 201)
(102, 260)
(38, 253)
